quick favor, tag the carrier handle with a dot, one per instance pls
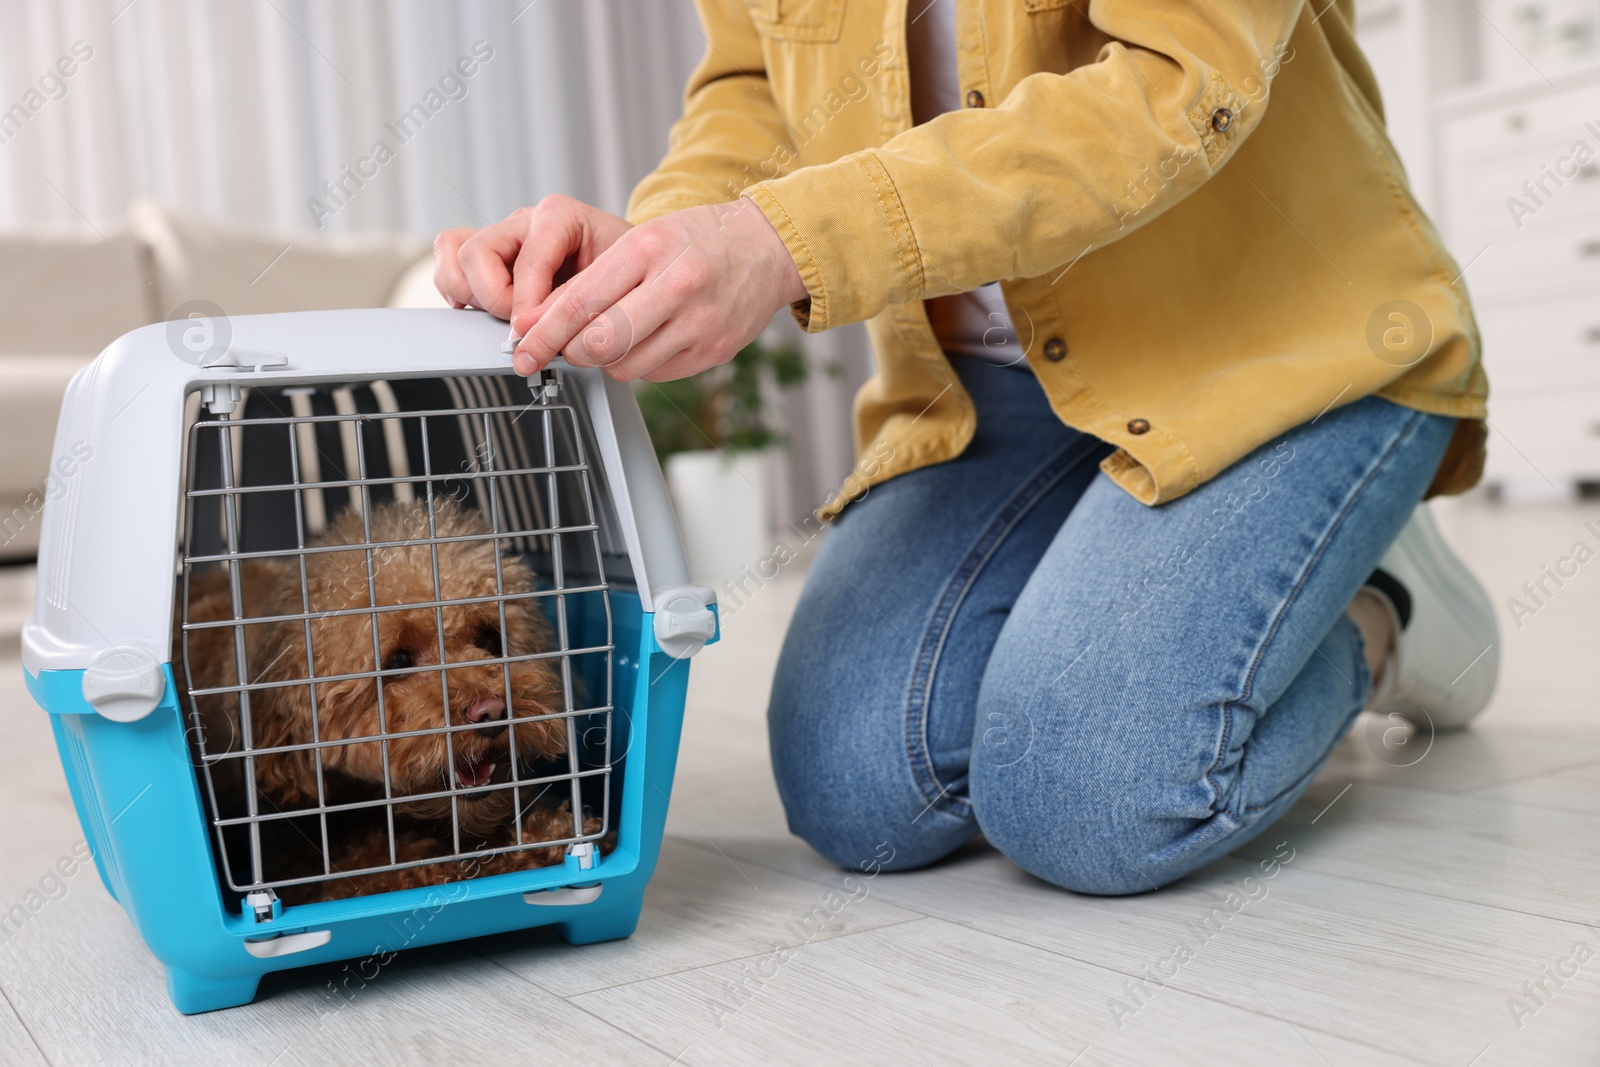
(287, 944)
(575, 894)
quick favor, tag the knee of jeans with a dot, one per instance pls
(1073, 831)
(863, 837)
(857, 804)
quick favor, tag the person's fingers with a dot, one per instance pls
(647, 352)
(564, 238)
(447, 275)
(521, 361)
(620, 330)
(659, 301)
(553, 230)
(696, 335)
(486, 259)
(586, 298)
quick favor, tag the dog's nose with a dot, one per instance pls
(486, 709)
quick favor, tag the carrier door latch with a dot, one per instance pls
(684, 621)
(542, 384)
(124, 684)
(581, 855)
(264, 905)
(220, 398)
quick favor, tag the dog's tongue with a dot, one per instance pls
(473, 772)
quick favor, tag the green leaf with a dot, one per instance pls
(724, 407)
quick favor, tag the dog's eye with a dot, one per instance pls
(399, 660)
(488, 639)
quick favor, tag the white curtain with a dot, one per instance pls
(243, 110)
(250, 110)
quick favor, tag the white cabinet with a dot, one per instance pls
(1519, 182)
(1495, 108)
(1540, 35)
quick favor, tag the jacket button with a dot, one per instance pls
(1055, 350)
(1221, 119)
(974, 98)
(1138, 426)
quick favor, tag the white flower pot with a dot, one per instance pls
(723, 503)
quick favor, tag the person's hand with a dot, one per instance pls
(663, 300)
(511, 266)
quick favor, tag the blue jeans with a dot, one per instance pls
(1114, 694)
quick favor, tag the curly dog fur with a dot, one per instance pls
(473, 754)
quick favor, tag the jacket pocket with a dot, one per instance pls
(797, 20)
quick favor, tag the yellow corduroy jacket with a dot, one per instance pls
(1203, 234)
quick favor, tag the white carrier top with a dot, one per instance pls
(108, 547)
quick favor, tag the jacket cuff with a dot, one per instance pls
(845, 226)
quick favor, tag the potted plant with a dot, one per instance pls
(714, 435)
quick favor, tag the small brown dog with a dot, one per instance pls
(461, 758)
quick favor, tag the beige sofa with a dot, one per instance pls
(65, 297)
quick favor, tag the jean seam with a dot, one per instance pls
(1363, 677)
(929, 652)
(1406, 432)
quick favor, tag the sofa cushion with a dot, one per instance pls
(30, 405)
(247, 272)
(70, 293)
(415, 288)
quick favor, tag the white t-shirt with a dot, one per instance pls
(975, 323)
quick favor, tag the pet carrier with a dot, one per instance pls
(353, 641)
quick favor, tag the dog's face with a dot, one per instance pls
(446, 729)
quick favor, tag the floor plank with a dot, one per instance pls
(427, 1006)
(1574, 789)
(939, 993)
(1496, 751)
(1421, 976)
(1473, 848)
(701, 908)
(16, 1044)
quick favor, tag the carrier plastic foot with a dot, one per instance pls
(192, 994)
(610, 925)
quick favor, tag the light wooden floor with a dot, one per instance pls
(1419, 901)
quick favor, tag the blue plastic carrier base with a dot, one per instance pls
(106, 672)
(140, 805)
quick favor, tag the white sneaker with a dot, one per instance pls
(1446, 658)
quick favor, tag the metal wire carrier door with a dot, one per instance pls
(321, 521)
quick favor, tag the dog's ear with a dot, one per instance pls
(537, 684)
(528, 629)
(537, 690)
(282, 716)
